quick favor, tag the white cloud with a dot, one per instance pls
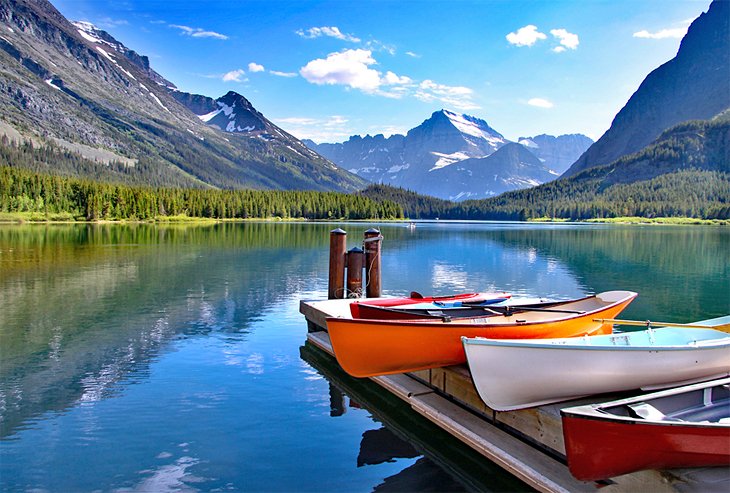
(540, 103)
(567, 40)
(282, 74)
(393, 79)
(353, 69)
(233, 76)
(197, 32)
(662, 34)
(457, 97)
(673, 32)
(525, 36)
(559, 49)
(332, 32)
(255, 67)
(349, 68)
(333, 128)
(414, 55)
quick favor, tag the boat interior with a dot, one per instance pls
(708, 405)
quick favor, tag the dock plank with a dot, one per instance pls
(513, 455)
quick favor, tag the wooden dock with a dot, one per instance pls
(527, 443)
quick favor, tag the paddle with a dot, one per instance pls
(648, 323)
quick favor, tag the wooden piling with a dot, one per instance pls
(355, 262)
(338, 247)
(372, 242)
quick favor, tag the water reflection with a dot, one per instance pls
(400, 435)
(161, 322)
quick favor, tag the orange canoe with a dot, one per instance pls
(366, 348)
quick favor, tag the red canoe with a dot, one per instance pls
(358, 309)
(682, 427)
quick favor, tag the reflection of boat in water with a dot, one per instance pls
(466, 465)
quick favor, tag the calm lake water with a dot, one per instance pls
(172, 358)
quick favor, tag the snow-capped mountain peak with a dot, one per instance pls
(473, 126)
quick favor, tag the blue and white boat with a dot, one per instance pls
(517, 373)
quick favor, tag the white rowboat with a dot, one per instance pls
(518, 373)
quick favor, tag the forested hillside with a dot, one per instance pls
(70, 198)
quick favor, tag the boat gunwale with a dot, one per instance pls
(704, 344)
(596, 412)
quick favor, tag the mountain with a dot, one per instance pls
(684, 173)
(75, 87)
(511, 167)
(694, 85)
(557, 153)
(444, 138)
(442, 147)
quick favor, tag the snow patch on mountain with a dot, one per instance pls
(529, 143)
(469, 125)
(447, 159)
(50, 83)
(209, 116)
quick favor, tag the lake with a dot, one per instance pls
(172, 358)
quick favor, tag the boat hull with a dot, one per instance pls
(560, 370)
(366, 348)
(601, 445)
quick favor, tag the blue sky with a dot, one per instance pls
(326, 70)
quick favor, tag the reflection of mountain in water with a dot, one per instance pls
(86, 306)
(680, 273)
(675, 270)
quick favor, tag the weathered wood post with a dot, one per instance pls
(372, 242)
(355, 262)
(338, 246)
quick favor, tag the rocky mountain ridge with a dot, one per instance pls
(694, 85)
(78, 87)
(448, 156)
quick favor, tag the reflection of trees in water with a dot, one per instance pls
(86, 305)
(680, 272)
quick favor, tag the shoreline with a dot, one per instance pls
(67, 218)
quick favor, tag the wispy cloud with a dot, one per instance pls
(457, 97)
(676, 33)
(255, 67)
(525, 36)
(567, 40)
(375, 45)
(330, 31)
(540, 103)
(283, 74)
(334, 128)
(109, 23)
(234, 76)
(413, 55)
(197, 32)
